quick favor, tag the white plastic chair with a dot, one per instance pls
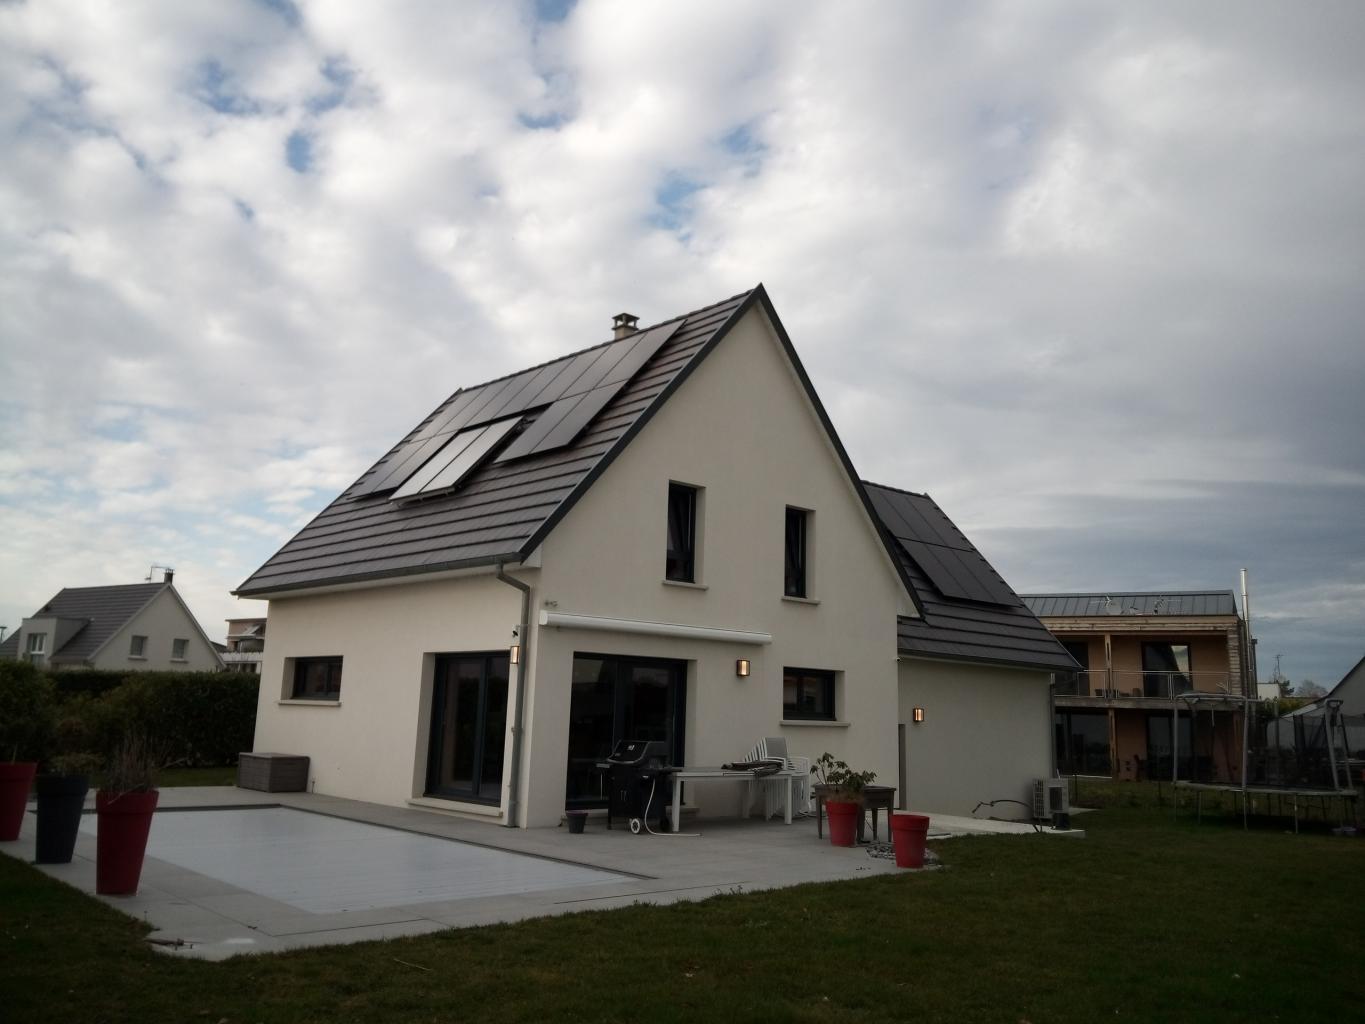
(775, 790)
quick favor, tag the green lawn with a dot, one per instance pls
(1151, 917)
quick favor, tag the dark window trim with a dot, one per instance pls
(136, 650)
(680, 563)
(333, 690)
(434, 728)
(796, 535)
(826, 680)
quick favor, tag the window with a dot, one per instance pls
(317, 679)
(178, 648)
(808, 693)
(1165, 669)
(681, 566)
(1082, 739)
(794, 581)
(1075, 683)
(37, 643)
(138, 648)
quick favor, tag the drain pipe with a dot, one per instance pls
(524, 639)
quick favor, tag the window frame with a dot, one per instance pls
(298, 681)
(137, 649)
(826, 679)
(40, 647)
(183, 643)
(796, 556)
(680, 565)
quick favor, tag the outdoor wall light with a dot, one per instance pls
(514, 654)
(742, 668)
(918, 715)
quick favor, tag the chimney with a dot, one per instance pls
(170, 575)
(623, 325)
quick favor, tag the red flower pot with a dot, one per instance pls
(908, 832)
(843, 822)
(15, 779)
(125, 819)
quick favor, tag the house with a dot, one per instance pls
(245, 644)
(1317, 743)
(1154, 668)
(660, 537)
(138, 626)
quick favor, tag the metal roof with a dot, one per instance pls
(997, 628)
(1163, 603)
(503, 508)
(105, 609)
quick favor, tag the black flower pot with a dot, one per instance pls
(61, 798)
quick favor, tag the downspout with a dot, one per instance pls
(524, 639)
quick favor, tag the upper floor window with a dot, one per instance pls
(794, 575)
(138, 647)
(178, 648)
(1165, 669)
(37, 643)
(681, 565)
(317, 679)
(808, 693)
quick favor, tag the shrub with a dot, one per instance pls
(26, 712)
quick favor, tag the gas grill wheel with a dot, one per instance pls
(635, 826)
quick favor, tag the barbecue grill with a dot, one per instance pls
(637, 782)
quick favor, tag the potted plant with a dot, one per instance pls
(842, 792)
(25, 730)
(124, 806)
(61, 802)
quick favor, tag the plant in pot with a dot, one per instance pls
(25, 731)
(124, 806)
(61, 789)
(842, 791)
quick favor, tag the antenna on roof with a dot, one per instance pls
(168, 569)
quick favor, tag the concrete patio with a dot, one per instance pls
(197, 915)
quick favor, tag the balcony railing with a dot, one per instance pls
(1135, 683)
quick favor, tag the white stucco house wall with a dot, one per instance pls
(660, 537)
(132, 627)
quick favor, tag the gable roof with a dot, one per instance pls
(1113, 602)
(9, 647)
(105, 609)
(968, 612)
(502, 510)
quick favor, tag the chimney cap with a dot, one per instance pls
(623, 324)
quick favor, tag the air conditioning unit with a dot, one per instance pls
(1050, 796)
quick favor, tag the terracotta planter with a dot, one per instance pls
(843, 822)
(125, 819)
(15, 779)
(908, 832)
(61, 800)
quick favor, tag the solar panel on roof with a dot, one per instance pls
(454, 446)
(482, 441)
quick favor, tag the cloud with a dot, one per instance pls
(1086, 272)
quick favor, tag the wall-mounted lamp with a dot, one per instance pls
(514, 654)
(917, 715)
(742, 668)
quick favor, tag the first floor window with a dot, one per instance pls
(317, 679)
(138, 648)
(37, 643)
(808, 693)
(681, 563)
(794, 569)
(178, 648)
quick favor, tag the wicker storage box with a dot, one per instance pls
(273, 773)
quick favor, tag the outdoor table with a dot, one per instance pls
(681, 775)
(874, 797)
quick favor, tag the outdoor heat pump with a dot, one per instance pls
(1050, 797)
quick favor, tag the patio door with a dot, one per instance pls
(614, 699)
(468, 727)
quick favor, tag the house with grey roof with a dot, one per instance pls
(1159, 690)
(662, 538)
(137, 626)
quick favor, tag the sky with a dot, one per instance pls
(1088, 273)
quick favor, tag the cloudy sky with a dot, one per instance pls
(1089, 274)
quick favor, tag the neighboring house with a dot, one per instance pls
(1150, 663)
(1317, 743)
(245, 645)
(660, 538)
(142, 626)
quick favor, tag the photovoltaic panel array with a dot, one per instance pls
(571, 391)
(445, 470)
(950, 561)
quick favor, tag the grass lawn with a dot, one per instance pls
(1151, 917)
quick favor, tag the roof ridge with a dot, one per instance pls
(1130, 593)
(600, 344)
(898, 490)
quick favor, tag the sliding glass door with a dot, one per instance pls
(468, 727)
(616, 699)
